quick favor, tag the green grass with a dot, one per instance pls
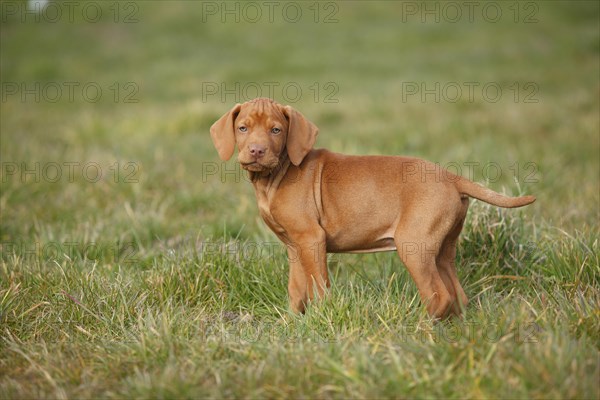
(165, 283)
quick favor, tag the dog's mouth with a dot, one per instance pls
(253, 166)
(261, 164)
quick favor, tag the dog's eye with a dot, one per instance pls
(243, 129)
(275, 131)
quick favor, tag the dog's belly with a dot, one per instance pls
(356, 239)
(383, 244)
(355, 227)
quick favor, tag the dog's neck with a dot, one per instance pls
(266, 182)
(272, 174)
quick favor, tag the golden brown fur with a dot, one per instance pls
(317, 201)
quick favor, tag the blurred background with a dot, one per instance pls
(111, 193)
(504, 93)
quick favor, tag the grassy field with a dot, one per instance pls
(134, 263)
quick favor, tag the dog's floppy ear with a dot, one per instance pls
(301, 137)
(223, 134)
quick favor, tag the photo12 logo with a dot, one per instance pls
(69, 172)
(471, 92)
(58, 251)
(470, 331)
(270, 11)
(44, 11)
(289, 92)
(524, 12)
(70, 92)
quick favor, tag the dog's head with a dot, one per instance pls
(263, 131)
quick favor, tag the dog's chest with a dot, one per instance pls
(264, 208)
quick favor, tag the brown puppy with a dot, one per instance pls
(317, 201)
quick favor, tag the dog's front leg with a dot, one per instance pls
(308, 278)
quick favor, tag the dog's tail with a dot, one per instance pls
(479, 192)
